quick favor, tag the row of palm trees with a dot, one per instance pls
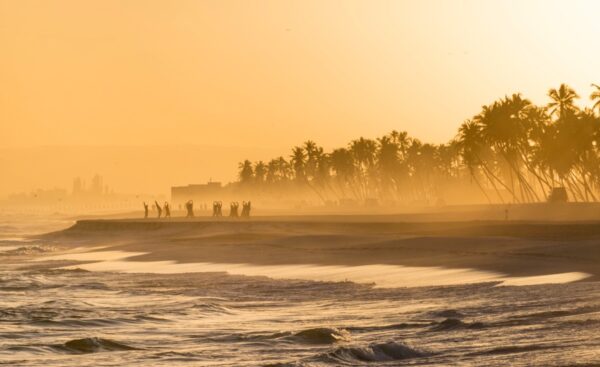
(512, 151)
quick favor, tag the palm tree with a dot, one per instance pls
(342, 164)
(246, 173)
(312, 153)
(563, 100)
(284, 169)
(260, 172)
(315, 168)
(298, 161)
(510, 145)
(422, 162)
(272, 175)
(595, 97)
(363, 150)
(505, 128)
(388, 162)
(475, 155)
(574, 146)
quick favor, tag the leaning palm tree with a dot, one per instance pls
(505, 127)
(510, 146)
(343, 166)
(563, 100)
(595, 97)
(477, 156)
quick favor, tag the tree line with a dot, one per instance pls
(512, 151)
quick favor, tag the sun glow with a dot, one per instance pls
(268, 75)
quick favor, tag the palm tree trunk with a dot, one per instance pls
(473, 178)
(488, 171)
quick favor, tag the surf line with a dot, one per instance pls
(382, 276)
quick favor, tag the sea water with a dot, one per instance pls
(77, 317)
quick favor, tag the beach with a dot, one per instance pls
(507, 248)
(298, 291)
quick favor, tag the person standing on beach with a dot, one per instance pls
(145, 210)
(233, 209)
(246, 209)
(158, 208)
(189, 206)
(167, 210)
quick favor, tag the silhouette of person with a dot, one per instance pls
(158, 208)
(245, 209)
(145, 210)
(217, 209)
(506, 214)
(167, 210)
(233, 209)
(189, 206)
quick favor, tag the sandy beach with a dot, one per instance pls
(508, 248)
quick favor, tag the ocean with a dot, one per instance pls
(75, 317)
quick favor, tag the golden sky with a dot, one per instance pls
(271, 74)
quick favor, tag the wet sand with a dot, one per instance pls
(510, 248)
(155, 293)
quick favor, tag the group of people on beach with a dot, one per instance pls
(217, 209)
(189, 207)
(246, 206)
(166, 208)
(234, 208)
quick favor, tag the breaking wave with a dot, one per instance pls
(390, 351)
(92, 345)
(321, 335)
(29, 250)
(456, 324)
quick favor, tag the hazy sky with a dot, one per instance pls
(270, 74)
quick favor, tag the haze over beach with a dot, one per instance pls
(299, 183)
(86, 78)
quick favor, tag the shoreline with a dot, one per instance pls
(508, 248)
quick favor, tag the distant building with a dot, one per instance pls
(198, 192)
(97, 188)
(78, 187)
(97, 185)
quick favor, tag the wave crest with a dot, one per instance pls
(30, 250)
(390, 351)
(456, 324)
(92, 345)
(322, 335)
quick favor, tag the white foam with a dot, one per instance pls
(384, 276)
(547, 279)
(15, 239)
(8, 248)
(101, 256)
